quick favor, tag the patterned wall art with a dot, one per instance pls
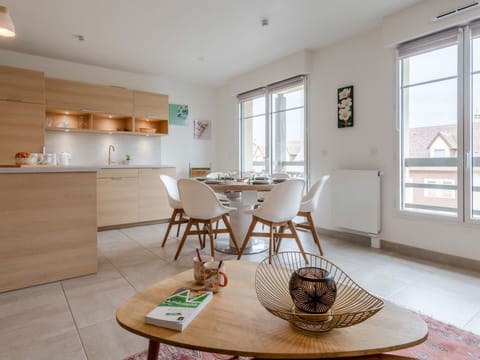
(202, 129)
(178, 114)
(345, 106)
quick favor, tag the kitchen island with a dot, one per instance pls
(48, 224)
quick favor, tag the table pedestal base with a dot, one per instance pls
(255, 246)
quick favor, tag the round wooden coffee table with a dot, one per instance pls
(234, 322)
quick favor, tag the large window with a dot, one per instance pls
(272, 129)
(439, 112)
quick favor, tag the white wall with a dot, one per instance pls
(366, 61)
(177, 149)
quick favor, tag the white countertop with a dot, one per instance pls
(50, 169)
(62, 169)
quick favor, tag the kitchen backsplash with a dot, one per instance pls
(92, 149)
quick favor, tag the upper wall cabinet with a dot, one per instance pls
(79, 96)
(22, 85)
(151, 112)
(21, 129)
(22, 112)
(150, 105)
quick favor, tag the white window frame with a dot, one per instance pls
(267, 92)
(464, 168)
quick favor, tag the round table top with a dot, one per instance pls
(234, 322)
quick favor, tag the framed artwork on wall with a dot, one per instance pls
(178, 114)
(345, 106)
(201, 129)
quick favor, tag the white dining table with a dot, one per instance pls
(242, 196)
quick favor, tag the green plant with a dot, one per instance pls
(127, 157)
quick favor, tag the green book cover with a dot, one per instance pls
(179, 309)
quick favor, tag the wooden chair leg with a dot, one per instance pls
(291, 226)
(211, 235)
(180, 221)
(230, 231)
(216, 228)
(200, 240)
(314, 232)
(278, 239)
(171, 221)
(184, 237)
(247, 237)
(271, 245)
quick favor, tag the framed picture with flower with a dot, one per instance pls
(345, 106)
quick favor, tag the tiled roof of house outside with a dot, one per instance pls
(421, 138)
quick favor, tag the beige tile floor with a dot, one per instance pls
(75, 319)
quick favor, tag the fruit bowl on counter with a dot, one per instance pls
(26, 158)
(35, 159)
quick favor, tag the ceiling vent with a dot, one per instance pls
(456, 11)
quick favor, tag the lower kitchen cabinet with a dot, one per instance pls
(117, 196)
(129, 196)
(48, 232)
(152, 197)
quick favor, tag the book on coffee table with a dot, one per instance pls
(178, 310)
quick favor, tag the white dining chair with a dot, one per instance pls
(202, 207)
(277, 212)
(309, 205)
(177, 217)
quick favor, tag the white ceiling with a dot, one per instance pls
(200, 41)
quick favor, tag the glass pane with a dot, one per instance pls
(288, 99)
(254, 107)
(429, 66)
(429, 144)
(475, 132)
(475, 54)
(288, 142)
(254, 149)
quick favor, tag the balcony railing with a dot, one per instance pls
(443, 163)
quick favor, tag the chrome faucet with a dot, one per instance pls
(110, 149)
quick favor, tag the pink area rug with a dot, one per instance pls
(445, 342)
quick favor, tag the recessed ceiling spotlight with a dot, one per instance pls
(265, 22)
(80, 37)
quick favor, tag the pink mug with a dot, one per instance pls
(214, 276)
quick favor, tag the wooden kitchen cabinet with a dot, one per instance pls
(151, 112)
(150, 105)
(117, 197)
(22, 85)
(128, 196)
(48, 232)
(21, 129)
(22, 112)
(90, 98)
(152, 197)
(83, 107)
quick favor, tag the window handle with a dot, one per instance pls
(468, 160)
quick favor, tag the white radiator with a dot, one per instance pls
(356, 200)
